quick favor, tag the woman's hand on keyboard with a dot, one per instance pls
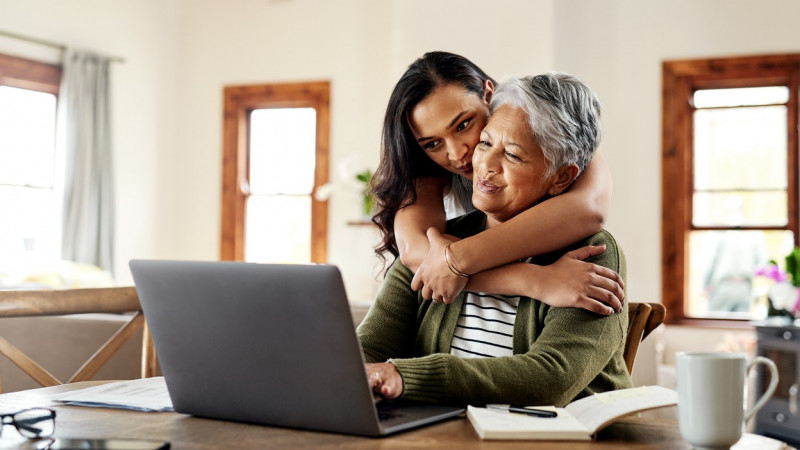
(384, 379)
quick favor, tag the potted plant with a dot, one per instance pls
(367, 202)
(783, 297)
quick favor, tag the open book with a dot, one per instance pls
(580, 420)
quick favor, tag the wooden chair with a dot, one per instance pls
(78, 301)
(643, 318)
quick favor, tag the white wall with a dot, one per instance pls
(260, 42)
(180, 53)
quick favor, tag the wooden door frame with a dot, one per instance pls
(239, 101)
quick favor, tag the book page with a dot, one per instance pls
(495, 424)
(601, 409)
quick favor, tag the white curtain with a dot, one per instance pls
(88, 216)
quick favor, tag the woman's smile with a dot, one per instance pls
(485, 186)
(509, 166)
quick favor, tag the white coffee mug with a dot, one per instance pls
(711, 396)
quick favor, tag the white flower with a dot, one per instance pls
(783, 295)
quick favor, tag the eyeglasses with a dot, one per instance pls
(31, 423)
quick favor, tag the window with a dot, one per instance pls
(28, 163)
(729, 182)
(275, 157)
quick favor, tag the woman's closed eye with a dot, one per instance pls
(512, 157)
(484, 145)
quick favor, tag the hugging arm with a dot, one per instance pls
(568, 282)
(553, 224)
(550, 225)
(412, 221)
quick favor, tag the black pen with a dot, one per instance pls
(523, 410)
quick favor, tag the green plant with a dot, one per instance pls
(793, 266)
(367, 202)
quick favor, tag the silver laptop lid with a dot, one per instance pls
(260, 343)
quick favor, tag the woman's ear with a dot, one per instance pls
(488, 91)
(563, 179)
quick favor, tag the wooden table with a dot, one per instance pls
(649, 429)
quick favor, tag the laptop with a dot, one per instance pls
(270, 344)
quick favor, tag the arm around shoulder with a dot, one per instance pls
(550, 225)
(412, 221)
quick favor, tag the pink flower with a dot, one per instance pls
(774, 272)
(796, 309)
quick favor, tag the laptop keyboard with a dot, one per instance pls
(388, 412)
(384, 416)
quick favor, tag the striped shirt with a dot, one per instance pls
(485, 326)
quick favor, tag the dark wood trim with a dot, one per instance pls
(29, 74)
(676, 182)
(793, 149)
(671, 277)
(238, 102)
(729, 324)
(679, 80)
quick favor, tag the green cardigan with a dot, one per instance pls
(560, 354)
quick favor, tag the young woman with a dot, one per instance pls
(433, 122)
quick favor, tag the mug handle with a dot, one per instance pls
(773, 383)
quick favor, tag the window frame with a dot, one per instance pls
(239, 101)
(680, 78)
(29, 74)
(23, 73)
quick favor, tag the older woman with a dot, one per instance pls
(486, 348)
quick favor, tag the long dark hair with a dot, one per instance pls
(402, 159)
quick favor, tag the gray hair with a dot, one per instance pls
(563, 114)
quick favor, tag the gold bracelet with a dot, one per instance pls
(450, 263)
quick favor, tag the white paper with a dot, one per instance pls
(600, 409)
(145, 394)
(495, 424)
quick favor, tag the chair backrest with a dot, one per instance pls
(20, 303)
(643, 318)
